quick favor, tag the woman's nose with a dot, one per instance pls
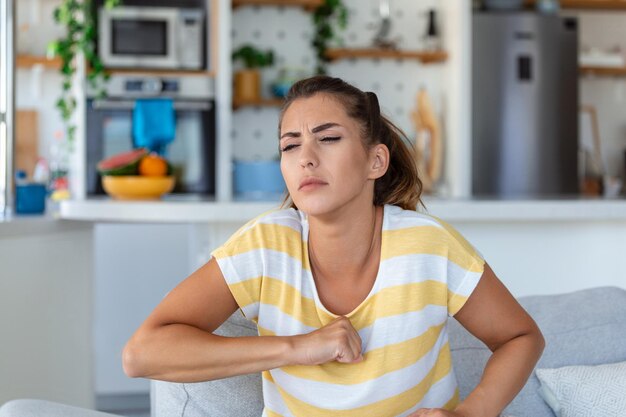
(308, 154)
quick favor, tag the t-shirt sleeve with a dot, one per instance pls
(241, 262)
(465, 268)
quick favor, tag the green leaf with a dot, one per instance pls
(253, 57)
(332, 14)
(77, 17)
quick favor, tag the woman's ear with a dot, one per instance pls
(379, 161)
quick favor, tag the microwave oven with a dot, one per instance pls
(151, 37)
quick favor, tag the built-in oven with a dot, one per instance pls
(192, 151)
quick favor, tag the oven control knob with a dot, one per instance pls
(152, 86)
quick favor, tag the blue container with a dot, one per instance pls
(258, 180)
(30, 198)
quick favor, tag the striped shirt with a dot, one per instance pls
(427, 271)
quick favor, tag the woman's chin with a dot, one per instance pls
(313, 206)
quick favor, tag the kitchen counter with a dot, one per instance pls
(29, 225)
(191, 209)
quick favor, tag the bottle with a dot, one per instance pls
(431, 37)
(59, 168)
(41, 174)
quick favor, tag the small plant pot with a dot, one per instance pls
(247, 85)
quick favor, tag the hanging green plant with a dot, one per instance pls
(77, 16)
(326, 18)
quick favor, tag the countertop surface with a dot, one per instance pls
(27, 225)
(193, 209)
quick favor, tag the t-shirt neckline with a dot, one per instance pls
(373, 290)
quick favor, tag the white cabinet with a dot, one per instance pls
(134, 267)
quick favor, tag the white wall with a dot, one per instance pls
(45, 316)
(289, 30)
(37, 88)
(533, 258)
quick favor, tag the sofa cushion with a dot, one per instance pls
(586, 327)
(43, 408)
(237, 396)
(585, 391)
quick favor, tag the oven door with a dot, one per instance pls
(192, 153)
(138, 37)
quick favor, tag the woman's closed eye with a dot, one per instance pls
(324, 139)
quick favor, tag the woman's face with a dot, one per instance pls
(319, 141)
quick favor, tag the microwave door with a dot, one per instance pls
(135, 37)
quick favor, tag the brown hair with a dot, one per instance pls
(400, 185)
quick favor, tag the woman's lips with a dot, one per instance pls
(311, 183)
(312, 186)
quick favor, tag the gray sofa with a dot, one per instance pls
(586, 327)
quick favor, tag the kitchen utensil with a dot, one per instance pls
(428, 141)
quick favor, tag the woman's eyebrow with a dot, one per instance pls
(324, 127)
(314, 130)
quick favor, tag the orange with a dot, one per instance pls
(153, 166)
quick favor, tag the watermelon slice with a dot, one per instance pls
(126, 163)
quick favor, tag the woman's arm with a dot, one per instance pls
(494, 316)
(175, 343)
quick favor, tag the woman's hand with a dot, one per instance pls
(434, 412)
(337, 341)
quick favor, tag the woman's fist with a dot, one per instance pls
(337, 341)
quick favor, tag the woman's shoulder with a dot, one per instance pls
(419, 227)
(400, 218)
(273, 221)
(289, 217)
(270, 226)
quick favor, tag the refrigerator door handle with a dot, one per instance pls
(524, 68)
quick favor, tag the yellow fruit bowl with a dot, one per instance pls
(137, 187)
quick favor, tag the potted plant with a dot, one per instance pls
(77, 16)
(248, 80)
(328, 16)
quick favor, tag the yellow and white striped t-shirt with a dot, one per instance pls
(427, 271)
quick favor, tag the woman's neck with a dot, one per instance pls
(344, 245)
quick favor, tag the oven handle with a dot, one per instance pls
(130, 104)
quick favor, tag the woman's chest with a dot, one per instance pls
(345, 294)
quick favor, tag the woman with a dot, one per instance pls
(350, 286)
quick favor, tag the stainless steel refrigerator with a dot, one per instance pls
(524, 105)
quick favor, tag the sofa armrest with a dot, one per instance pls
(42, 408)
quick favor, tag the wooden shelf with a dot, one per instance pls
(28, 61)
(603, 71)
(160, 73)
(589, 4)
(263, 102)
(424, 57)
(306, 4)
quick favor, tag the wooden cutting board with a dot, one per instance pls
(26, 140)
